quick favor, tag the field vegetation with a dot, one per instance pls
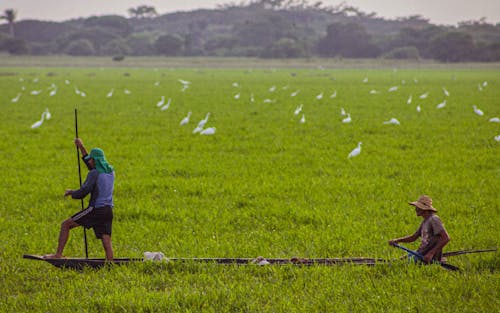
(265, 184)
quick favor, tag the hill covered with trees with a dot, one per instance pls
(259, 28)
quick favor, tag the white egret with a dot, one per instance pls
(418, 108)
(272, 89)
(184, 82)
(161, 102)
(365, 80)
(355, 152)
(237, 96)
(320, 96)
(347, 119)
(392, 121)
(167, 105)
(201, 124)
(424, 95)
(298, 109)
(303, 119)
(186, 119)
(393, 88)
(415, 81)
(446, 92)
(269, 101)
(47, 114)
(35, 92)
(83, 94)
(342, 112)
(157, 83)
(441, 105)
(252, 99)
(67, 82)
(409, 99)
(235, 85)
(126, 91)
(478, 111)
(184, 87)
(485, 83)
(14, 100)
(497, 138)
(53, 93)
(373, 92)
(479, 87)
(38, 123)
(296, 92)
(208, 131)
(334, 94)
(495, 120)
(110, 93)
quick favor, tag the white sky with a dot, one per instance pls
(448, 12)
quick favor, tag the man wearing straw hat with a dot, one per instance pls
(99, 214)
(432, 231)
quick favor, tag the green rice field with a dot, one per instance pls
(268, 183)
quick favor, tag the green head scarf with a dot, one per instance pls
(101, 165)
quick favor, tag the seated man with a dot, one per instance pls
(434, 236)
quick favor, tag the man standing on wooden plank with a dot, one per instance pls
(99, 213)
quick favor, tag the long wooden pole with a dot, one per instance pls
(80, 179)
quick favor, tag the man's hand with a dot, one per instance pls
(68, 192)
(78, 142)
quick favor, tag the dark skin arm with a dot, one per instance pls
(79, 145)
(410, 238)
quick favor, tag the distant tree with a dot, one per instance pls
(115, 24)
(347, 40)
(284, 48)
(264, 30)
(414, 37)
(97, 36)
(452, 47)
(80, 47)
(10, 16)
(171, 45)
(116, 47)
(15, 46)
(409, 53)
(142, 11)
(141, 44)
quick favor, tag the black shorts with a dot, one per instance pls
(100, 219)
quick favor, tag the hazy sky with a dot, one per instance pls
(438, 11)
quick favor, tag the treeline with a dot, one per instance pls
(264, 28)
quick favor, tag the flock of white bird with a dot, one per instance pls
(164, 104)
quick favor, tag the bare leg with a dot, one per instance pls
(63, 238)
(108, 248)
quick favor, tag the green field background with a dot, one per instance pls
(263, 185)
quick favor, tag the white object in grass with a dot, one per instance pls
(355, 152)
(186, 119)
(393, 121)
(208, 131)
(298, 109)
(441, 105)
(478, 111)
(347, 119)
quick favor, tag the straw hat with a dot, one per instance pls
(424, 203)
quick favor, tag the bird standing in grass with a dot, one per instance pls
(355, 152)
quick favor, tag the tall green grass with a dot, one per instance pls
(264, 184)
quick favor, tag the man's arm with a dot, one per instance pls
(79, 145)
(86, 187)
(410, 238)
